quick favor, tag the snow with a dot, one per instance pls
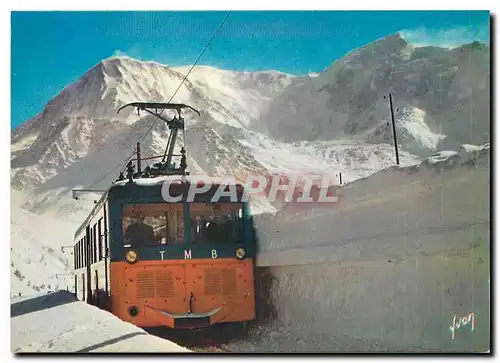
(367, 275)
(24, 143)
(441, 156)
(159, 180)
(412, 122)
(57, 322)
(374, 206)
(475, 148)
(244, 94)
(354, 159)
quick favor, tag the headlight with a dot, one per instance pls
(131, 256)
(133, 311)
(240, 253)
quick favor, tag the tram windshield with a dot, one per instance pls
(213, 223)
(153, 224)
(163, 224)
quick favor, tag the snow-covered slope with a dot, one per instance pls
(37, 263)
(245, 94)
(58, 323)
(354, 159)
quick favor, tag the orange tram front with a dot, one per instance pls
(153, 263)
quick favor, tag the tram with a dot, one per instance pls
(152, 262)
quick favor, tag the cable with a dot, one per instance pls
(125, 161)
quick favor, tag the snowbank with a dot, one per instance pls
(406, 250)
(58, 322)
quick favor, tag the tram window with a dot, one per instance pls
(82, 252)
(91, 243)
(213, 223)
(99, 238)
(94, 245)
(89, 252)
(153, 224)
(86, 262)
(105, 231)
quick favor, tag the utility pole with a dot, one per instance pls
(393, 129)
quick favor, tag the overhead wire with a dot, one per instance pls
(126, 160)
(187, 74)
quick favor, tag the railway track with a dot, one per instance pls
(213, 339)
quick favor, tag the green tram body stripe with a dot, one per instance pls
(120, 197)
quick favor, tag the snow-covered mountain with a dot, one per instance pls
(441, 97)
(251, 122)
(83, 116)
(80, 128)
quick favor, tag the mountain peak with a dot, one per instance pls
(115, 66)
(126, 59)
(392, 40)
(118, 57)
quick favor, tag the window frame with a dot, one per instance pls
(157, 213)
(230, 207)
(94, 244)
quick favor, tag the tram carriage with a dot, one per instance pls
(183, 264)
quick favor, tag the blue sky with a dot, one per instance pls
(52, 49)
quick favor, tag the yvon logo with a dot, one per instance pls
(461, 322)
